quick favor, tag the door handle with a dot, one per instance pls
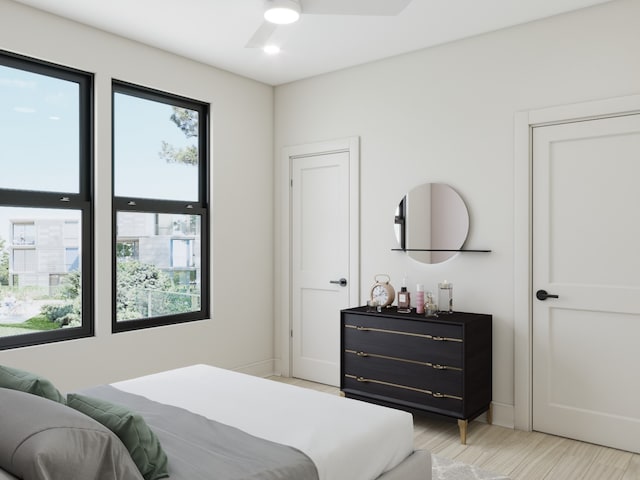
(543, 295)
(342, 282)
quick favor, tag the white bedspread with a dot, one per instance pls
(346, 439)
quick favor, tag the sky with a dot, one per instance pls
(39, 143)
(140, 128)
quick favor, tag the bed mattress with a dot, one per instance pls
(345, 438)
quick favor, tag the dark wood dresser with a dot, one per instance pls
(439, 365)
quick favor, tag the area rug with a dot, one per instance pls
(446, 469)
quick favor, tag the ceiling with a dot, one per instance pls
(215, 32)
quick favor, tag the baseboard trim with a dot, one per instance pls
(502, 415)
(265, 368)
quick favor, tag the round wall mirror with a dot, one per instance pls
(431, 223)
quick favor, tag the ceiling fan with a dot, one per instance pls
(281, 12)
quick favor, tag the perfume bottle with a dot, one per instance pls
(404, 301)
(419, 299)
(445, 297)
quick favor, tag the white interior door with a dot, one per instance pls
(586, 238)
(320, 263)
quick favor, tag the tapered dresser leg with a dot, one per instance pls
(462, 425)
(490, 414)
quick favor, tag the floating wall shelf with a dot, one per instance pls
(436, 250)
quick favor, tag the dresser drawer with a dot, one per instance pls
(428, 345)
(427, 327)
(393, 392)
(425, 376)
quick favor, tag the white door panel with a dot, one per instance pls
(320, 255)
(586, 232)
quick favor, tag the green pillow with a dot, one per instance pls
(143, 445)
(29, 383)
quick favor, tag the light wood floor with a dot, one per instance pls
(520, 455)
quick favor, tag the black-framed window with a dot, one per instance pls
(46, 186)
(160, 208)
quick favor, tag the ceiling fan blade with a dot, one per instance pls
(354, 7)
(262, 35)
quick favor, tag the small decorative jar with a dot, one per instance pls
(430, 308)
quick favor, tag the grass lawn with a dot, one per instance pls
(34, 324)
(9, 331)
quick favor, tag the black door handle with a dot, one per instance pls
(342, 282)
(543, 295)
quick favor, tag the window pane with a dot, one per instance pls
(72, 259)
(182, 254)
(24, 260)
(40, 132)
(154, 140)
(39, 270)
(158, 265)
(24, 233)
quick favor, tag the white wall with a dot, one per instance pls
(446, 114)
(240, 335)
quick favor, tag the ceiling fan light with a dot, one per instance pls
(282, 12)
(271, 49)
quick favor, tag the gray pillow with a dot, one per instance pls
(41, 440)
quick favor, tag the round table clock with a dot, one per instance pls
(382, 292)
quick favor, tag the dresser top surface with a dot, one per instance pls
(392, 312)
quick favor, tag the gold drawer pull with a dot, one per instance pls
(405, 387)
(360, 328)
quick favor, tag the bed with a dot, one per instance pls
(260, 429)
